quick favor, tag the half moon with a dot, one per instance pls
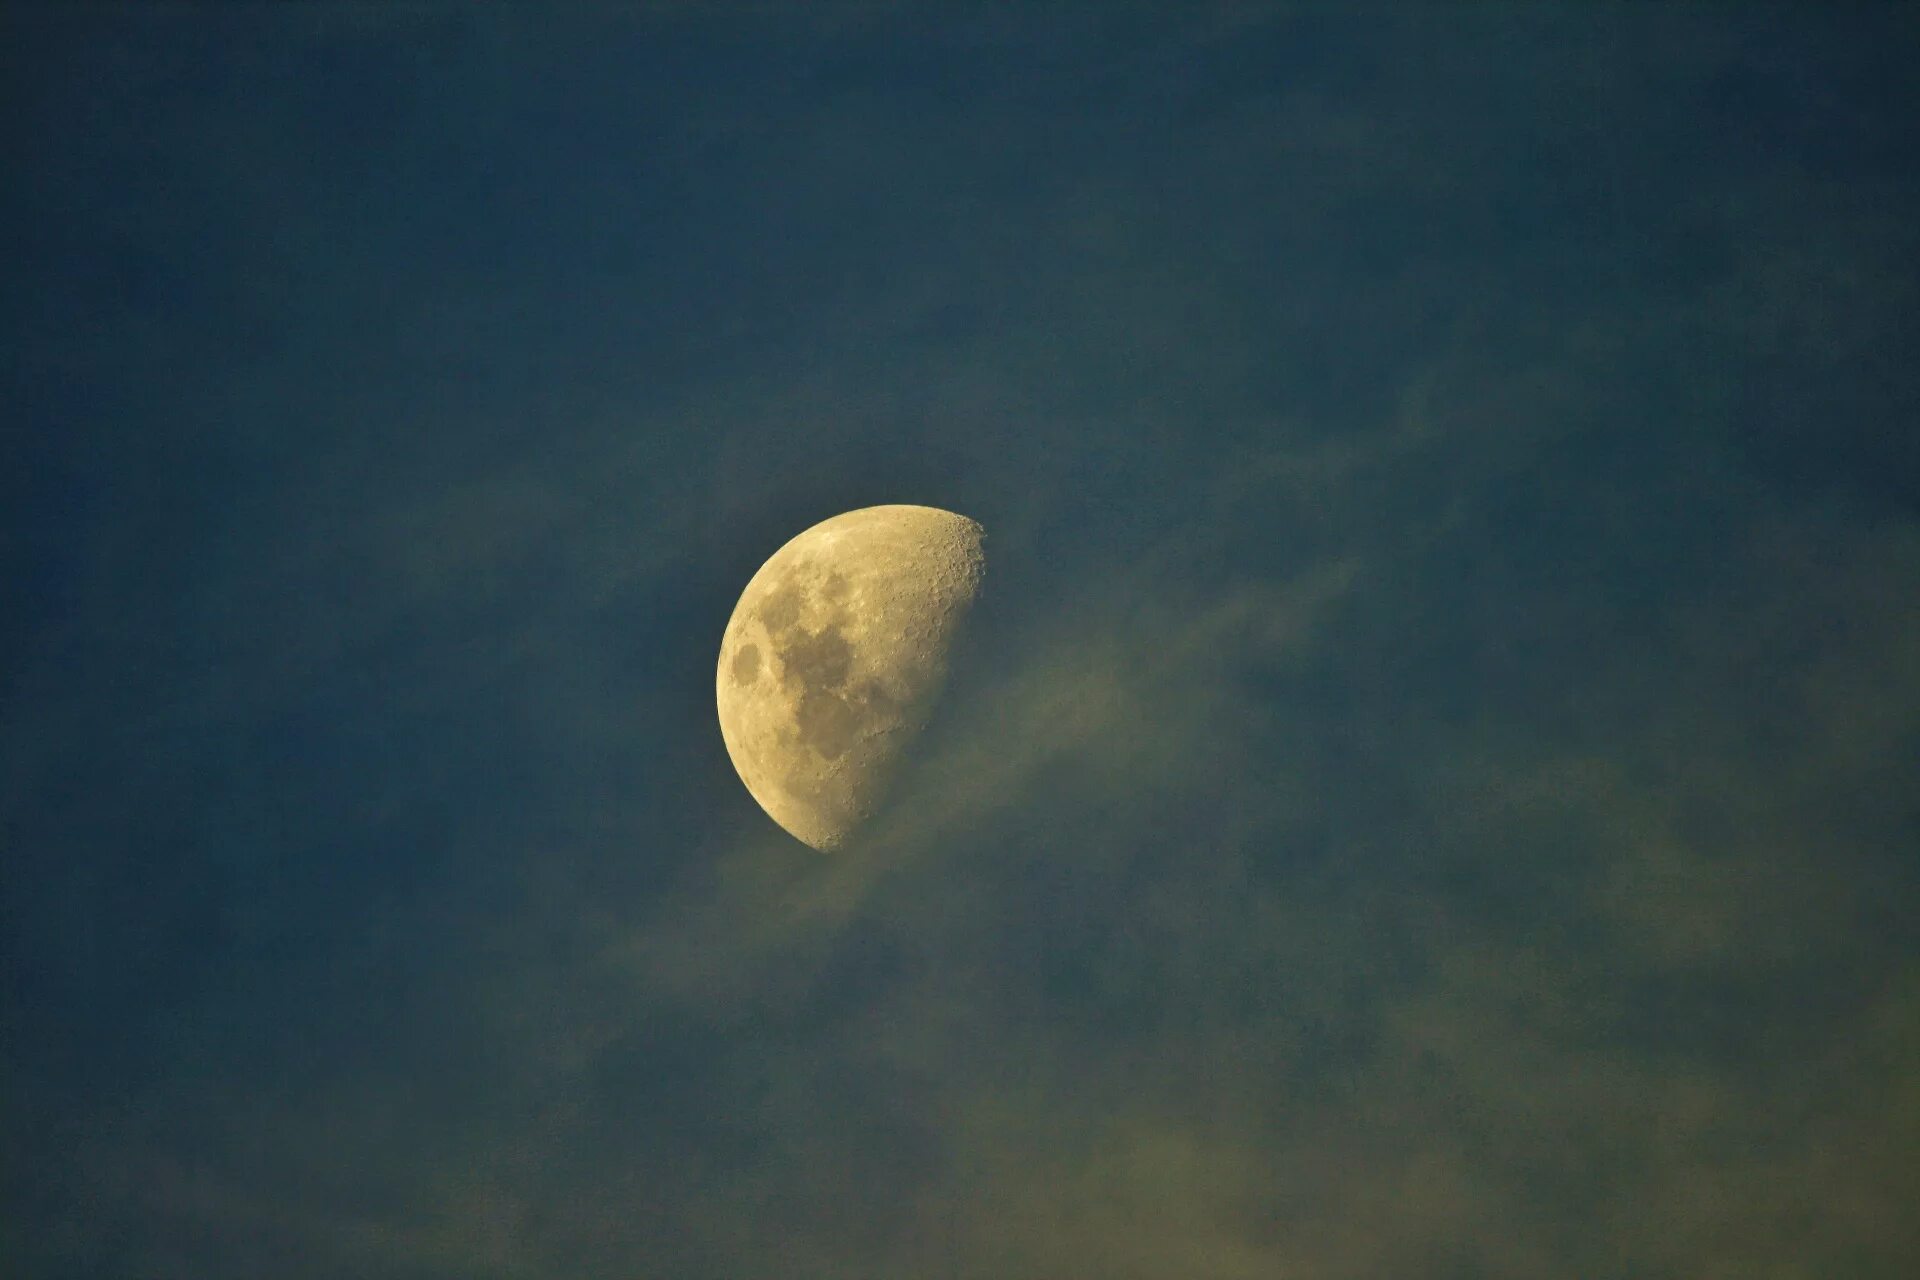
(835, 657)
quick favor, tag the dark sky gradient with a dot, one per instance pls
(1431, 792)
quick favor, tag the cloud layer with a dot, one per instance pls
(1425, 795)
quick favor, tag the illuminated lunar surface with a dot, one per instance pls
(836, 655)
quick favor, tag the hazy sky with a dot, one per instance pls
(1431, 792)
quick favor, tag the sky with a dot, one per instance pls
(1428, 789)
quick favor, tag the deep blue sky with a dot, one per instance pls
(1431, 789)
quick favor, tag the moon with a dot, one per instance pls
(835, 657)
